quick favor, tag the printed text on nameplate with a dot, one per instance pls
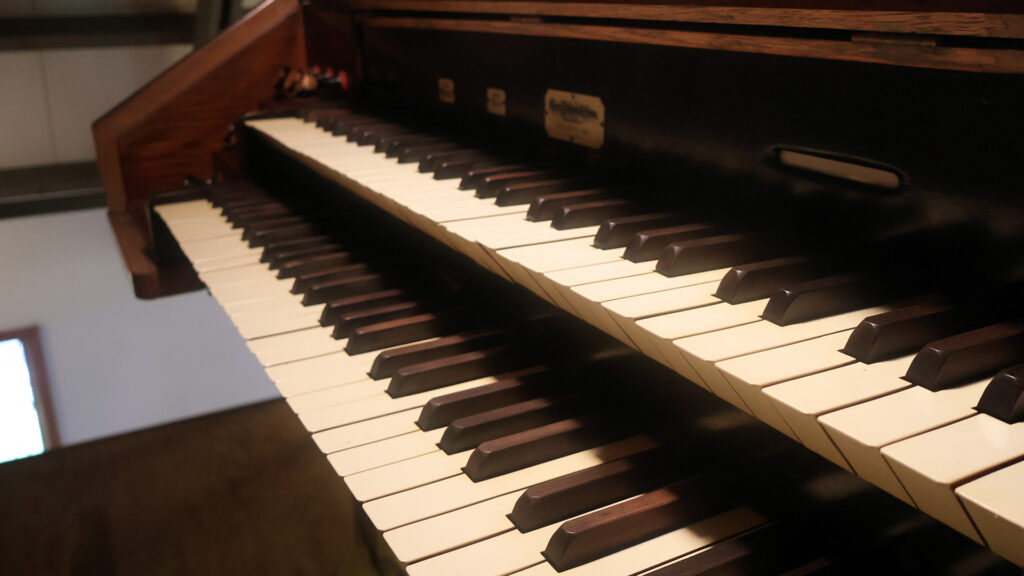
(577, 118)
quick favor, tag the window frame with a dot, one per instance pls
(29, 337)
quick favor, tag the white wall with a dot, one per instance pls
(117, 363)
(49, 98)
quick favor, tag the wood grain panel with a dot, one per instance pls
(170, 128)
(917, 54)
(891, 17)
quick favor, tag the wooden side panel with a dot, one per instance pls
(170, 128)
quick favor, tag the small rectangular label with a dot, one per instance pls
(446, 90)
(577, 118)
(496, 100)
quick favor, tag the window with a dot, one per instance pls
(26, 418)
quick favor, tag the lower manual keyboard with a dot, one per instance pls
(384, 402)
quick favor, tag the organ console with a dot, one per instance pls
(616, 287)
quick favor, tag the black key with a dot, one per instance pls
(527, 192)
(648, 244)
(335, 309)
(276, 223)
(590, 213)
(476, 176)
(298, 267)
(617, 232)
(328, 290)
(821, 297)
(432, 161)
(344, 126)
(417, 152)
(459, 167)
(469, 431)
(265, 237)
(748, 282)
(523, 449)
(407, 330)
(573, 494)
(306, 281)
(273, 250)
(389, 361)
(611, 529)
(254, 201)
(357, 132)
(703, 254)
(347, 323)
(278, 254)
(902, 331)
(547, 206)
(391, 145)
(364, 135)
(244, 217)
(966, 357)
(443, 410)
(463, 367)
(492, 184)
(1004, 396)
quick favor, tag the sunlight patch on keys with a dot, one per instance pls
(458, 491)
(802, 401)
(995, 505)
(930, 466)
(704, 351)
(860, 432)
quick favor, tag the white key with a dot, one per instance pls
(453, 529)
(335, 395)
(995, 503)
(182, 212)
(218, 249)
(704, 351)
(495, 556)
(382, 404)
(384, 452)
(528, 264)
(305, 376)
(367, 431)
(406, 474)
(458, 491)
(559, 283)
(751, 375)
(616, 304)
(930, 466)
(240, 274)
(658, 333)
(588, 299)
(860, 432)
(293, 346)
(800, 402)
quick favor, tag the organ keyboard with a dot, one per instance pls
(858, 307)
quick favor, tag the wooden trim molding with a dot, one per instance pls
(170, 128)
(39, 380)
(912, 54)
(969, 23)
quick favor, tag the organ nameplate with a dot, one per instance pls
(446, 90)
(496, 101)
(572, 117)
